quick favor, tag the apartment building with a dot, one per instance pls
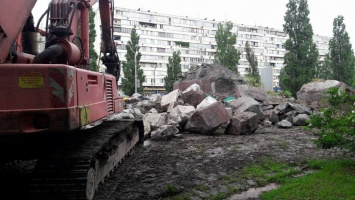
(162, 34)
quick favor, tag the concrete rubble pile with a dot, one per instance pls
(246, 109)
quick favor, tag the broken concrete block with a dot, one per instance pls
(164, 132)
(230, 111)
(156, 98)
(193, 95)
(155, 120)
(243, 123)
(207, 101)
(267, 123)
(206, 120)
(257, 93)
(145, 106)
(288, 116)
(272, 116)
(147, 128)
(180, 114)
(301, 120)
(212, 79)
(312, 93)
(243, 104)
(167, 99)
(301, 109)
(171, 106)
(284, 124)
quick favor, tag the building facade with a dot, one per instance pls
(162, 34)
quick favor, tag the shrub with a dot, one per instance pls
(335, 124)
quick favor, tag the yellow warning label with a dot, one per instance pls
(84, 115)
(31, 80)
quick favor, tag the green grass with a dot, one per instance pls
(334, 180)
(223, 195)
(268, 171)
(170, 190)
(202, 188)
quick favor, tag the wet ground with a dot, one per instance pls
(190, 167)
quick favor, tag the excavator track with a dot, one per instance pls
(81, 162)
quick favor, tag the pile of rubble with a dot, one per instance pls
(243, 111)
(191, 111)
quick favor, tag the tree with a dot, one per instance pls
(253, 71)
(341, 55)
(323, 70)
(92, 53)
(133, 57)
(301, 57)
(173, 69)
(226, 54)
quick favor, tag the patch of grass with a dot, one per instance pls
(227, 178)
(268, 171)
(223, 195)
(272, 93)
(202, 188)
(333, 180)
(170, 190)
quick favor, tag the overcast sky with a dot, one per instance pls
(268, 13)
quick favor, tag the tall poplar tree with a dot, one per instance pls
(133, 57)
(226, 54)
(173, 70)
(301, 57)
(92, 35)
(253, 71)
(341, 54)
(323, 70)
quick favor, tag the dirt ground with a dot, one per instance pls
(193, 164)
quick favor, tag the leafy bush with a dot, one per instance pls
(336, 123)
(253, 81)
(287, 94)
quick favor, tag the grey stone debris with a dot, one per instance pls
(311, 94)
(168, 98)
(193, 95)
(267, 123)
(272, 116)
(243, 104)
(243, 123)
(301, 120)
(257, 93)
(284, 124)
(155, 120)
(206, 120)
(206, 102)
(164, 132)
(180, 114)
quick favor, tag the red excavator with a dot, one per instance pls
(48, 96)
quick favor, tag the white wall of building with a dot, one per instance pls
(160, 35)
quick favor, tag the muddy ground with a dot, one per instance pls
(192, 166)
